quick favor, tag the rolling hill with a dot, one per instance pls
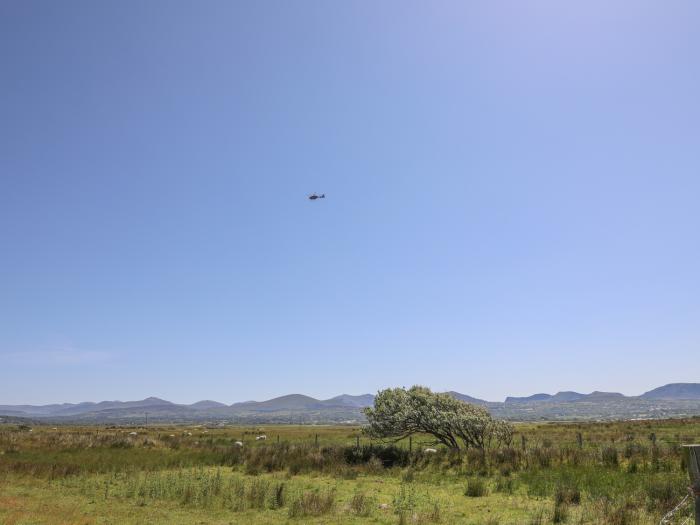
(674, 391)
(673, 400)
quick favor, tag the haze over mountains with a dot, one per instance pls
(672, 400)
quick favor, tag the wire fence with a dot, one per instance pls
(680, 511)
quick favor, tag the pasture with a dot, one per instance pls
(580, 473)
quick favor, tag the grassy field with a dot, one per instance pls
(614, 474)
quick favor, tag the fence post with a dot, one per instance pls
(579, 439)
(316, 440)
(523, 441)
(410, 444)
(692, 457)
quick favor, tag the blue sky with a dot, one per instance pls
(512, 197)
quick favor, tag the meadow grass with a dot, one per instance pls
(177, 474)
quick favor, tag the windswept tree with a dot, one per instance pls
(399, 413)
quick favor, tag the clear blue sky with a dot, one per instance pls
(512, 197)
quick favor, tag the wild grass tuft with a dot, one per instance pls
(476, 488)
(312, 503)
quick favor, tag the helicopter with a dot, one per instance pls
(313, 196)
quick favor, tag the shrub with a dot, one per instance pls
(399, 412)
(388, 455)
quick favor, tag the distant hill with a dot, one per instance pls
(84, 408)
(673, 400)
(564, 397)
(37, 410)
(10, 411)
(207, 404)
(468, 399)
(72, 409)
(534, 397)
(362, 401)
(674, 391)
(602, 396)
(288, 402)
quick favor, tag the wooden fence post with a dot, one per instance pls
(579, 439)
(410, 444)
(316, 440)
(692, 457)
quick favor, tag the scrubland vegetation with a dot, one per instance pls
(597, 473)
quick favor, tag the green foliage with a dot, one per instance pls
(399, 413)
(201, 477)
(388, 455)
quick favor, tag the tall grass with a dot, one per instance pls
(616, 476)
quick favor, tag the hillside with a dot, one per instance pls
(674, 391)
(468, 399)
(362, 401)
(207, 404)
(673, 400)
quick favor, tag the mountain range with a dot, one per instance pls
(672, 400)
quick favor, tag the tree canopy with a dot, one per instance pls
(399, 413)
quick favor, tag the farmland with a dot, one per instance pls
(612, 473)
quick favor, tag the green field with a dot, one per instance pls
(617, 474)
